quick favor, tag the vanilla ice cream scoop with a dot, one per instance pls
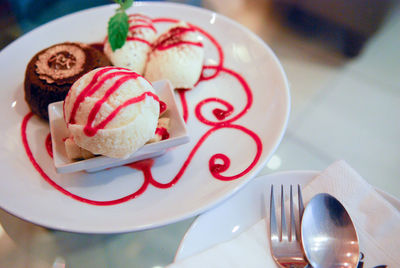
(177, 55)
(111, 111)
(133, 54)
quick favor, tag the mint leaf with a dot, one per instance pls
(118, 25)
(118, 28)
(123, 4)
(126, 4)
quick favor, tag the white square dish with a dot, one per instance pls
(59, 131)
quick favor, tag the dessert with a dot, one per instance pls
(111, 111)
(51, 72)
(218, 163)
(133, 54)
(177, 55)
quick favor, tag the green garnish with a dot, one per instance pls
(118, 25)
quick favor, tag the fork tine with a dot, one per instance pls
(272, 218)
(292, 234)
(284, 233)
(301, 205)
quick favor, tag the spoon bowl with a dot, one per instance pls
(328, 234)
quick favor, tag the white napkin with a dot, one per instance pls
(376, 220)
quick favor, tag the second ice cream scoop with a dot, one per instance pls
(177, 55)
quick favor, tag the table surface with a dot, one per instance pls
(342, 108)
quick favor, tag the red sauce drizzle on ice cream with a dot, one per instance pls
(142, 22)
(91, 130)
(139, 22)
(174, 37)
(92, 87)
(218, 163)
(137, 26)
(138, 39)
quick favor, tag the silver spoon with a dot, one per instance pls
(328, 234)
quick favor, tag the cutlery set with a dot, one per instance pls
(321, 235)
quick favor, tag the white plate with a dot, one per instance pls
(241, 212)
(38, 194)
(59, 131)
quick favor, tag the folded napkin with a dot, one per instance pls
(376, 220)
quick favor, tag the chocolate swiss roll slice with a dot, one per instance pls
(51, 72)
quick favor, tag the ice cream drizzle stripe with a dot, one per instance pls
(218, 163)
(164, 47)
(134, 27)
(174, 38)
(139, 21)
(92, 130)
(139, 40)
(92, 87)
(140, 17)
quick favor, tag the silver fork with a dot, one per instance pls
(286, 241)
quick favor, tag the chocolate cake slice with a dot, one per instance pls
(51, 72)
